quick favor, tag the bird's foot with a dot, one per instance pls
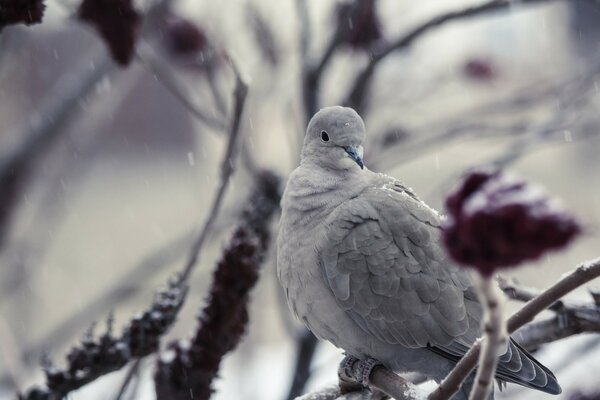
(349, 374)
(348, 383)
(365, 367)
(346, 370)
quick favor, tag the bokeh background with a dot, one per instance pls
(109, 208)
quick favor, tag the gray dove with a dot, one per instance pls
(361, 262)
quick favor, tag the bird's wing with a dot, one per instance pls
(382, 258)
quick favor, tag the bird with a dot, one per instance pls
(361, 261)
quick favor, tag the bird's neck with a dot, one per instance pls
(313, 192)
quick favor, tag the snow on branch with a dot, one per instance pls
(94, 358)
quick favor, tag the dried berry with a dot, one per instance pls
(193, 364)
(118, 23)
(183, 37)
(496, 221)
(363, 25)
(479, 69)
(26, 12)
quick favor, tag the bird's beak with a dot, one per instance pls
(355, 153)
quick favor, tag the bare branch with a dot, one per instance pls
(241, 90)
(132, 373)
(568, 322)
(312, 73)
(306, 345)
(164, 73)
(581, 275)
(495, 335)
(95, 358)
(43, 128)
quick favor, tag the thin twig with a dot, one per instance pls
(312, 73)
(581, 275)
(240, 92)
(131, 374)
(43, 128)
(163, 72)
(306, 345)
(495, 336)
(567, 323)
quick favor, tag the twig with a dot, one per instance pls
(43, 128)
(306, 345)
(570, 318)
(94, 358)
(518, 292)
(358, 94)
(569, 322)
(581, 275)
(240, 92)
(495, 336)
(163, 72)
(131, 374)
(312, 73)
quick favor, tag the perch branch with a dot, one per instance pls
(581, 275)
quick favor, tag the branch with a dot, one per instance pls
(569, 322)
(240, 92)
(306, 345)
(95, 358)
(358, 94)
(164, 73)
(312, 72)
(583, 274)
(495, 336)
(43, 128)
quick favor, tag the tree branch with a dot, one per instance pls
(163, 72)
(581, 275)
(240, 92)
(43, 128)
(494, 336)
(312, 72)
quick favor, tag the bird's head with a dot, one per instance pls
(334, 139)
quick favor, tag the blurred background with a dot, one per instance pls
(121, 173)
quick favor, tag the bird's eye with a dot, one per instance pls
(324, 136)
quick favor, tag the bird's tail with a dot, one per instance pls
(516, 365)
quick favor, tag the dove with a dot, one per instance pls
(361, 262)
